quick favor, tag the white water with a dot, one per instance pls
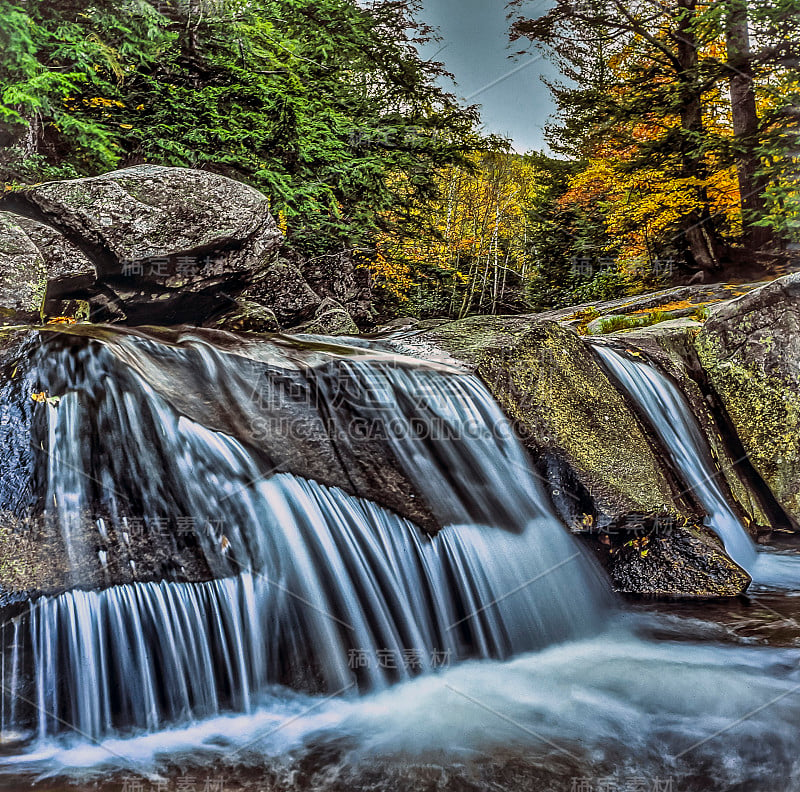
(150, 677)
(346, 590)
(324, 590)
(709, 718)
(672, 419)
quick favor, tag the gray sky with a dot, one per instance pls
(476, 49)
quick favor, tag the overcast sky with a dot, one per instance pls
(476, 49)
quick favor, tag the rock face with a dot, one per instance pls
(687, 563)
(672, 347)
(149, 212)
(750, 349)
(37, 264)
(564, 406)
(157, 245)
(608, 478)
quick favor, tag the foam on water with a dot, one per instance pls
(613, 704)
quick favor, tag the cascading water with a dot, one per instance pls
(229, 575)
(291, 580)
(671, 418)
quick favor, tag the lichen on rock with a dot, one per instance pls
(750, 350)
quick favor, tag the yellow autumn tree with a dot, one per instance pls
(470, 254)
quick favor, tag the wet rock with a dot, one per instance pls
(750, 350)
(606, 473)
(689, 563)
(277, 398)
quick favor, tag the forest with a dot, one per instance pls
(673, 154)
(347, 447)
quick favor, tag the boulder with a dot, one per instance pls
(686, 563)
(169, 245)
(750, 350)
(606, 474)
(282, 288)
(331, 319)
(149, 212)
(37, 264)
(249, 317)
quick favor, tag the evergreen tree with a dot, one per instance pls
(325, 106)
(645, 91)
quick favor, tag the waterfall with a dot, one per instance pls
(298, 581)
(670, 415)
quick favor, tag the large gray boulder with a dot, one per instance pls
(750, 350)
(148, 212)
(152, 244)
(36, 264)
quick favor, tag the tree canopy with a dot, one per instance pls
(683, 117)
(674, 150)
(325, 106)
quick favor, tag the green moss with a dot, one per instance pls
(612, 324)
(766, 413)
(557, 393)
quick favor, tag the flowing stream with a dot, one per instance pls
(260, 610)
(671, 418)
(324, 590)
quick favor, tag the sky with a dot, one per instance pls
(476, 50)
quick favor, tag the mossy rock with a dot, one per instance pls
(561, 401)
(603, 470)
(750, 350)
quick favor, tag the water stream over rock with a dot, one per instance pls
(671, 418)
(305, 584)
(301, 565)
